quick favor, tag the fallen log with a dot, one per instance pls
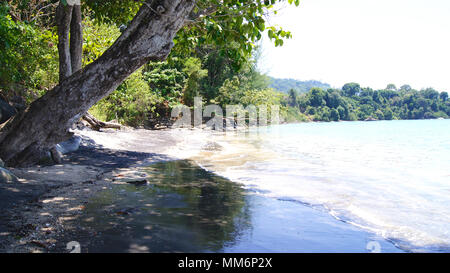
(96, 124)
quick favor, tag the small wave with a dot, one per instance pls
(388, 181)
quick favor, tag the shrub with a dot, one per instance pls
(28, 58)
(130, 103)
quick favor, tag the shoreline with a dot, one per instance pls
(35, 209)
(48, 199)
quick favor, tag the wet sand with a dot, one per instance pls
(180, 208)
(184, 208)
(35, 211)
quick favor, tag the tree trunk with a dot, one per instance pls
(47, 121)
(63, 20)
(70, 39)
(76, 39)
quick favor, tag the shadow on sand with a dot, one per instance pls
(183, 209)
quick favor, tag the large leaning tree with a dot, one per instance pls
(156, 28)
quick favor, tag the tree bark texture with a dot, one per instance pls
(63, 20)
(47, 121)
(76, 39)
(70, 39)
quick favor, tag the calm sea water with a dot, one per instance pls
(389, 177)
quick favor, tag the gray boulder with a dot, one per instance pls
(69, 146)
(6, 111)
(47, 159)
(7, 176)
(56, 155)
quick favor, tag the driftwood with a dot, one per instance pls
(96, 124)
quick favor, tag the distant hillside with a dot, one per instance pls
(284, 85)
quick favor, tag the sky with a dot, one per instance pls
(371, 42)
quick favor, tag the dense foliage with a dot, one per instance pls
(215, 47)
(28, 66)
(215, 57)
(355, 103)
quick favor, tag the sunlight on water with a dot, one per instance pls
(390, 177)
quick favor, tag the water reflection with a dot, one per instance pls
(183, 209)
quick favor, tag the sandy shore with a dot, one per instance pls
(176, 206)
(35, 210)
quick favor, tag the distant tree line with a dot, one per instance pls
(284, 85)
(353, 102)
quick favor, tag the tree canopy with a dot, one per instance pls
(355, 103)
(150, 31)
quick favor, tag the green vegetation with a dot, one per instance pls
(158, 87)
(285, 85)
(28, 63)
(214, 56)
(214, 59)
(355, 103)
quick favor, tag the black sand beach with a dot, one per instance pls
(179, 208)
